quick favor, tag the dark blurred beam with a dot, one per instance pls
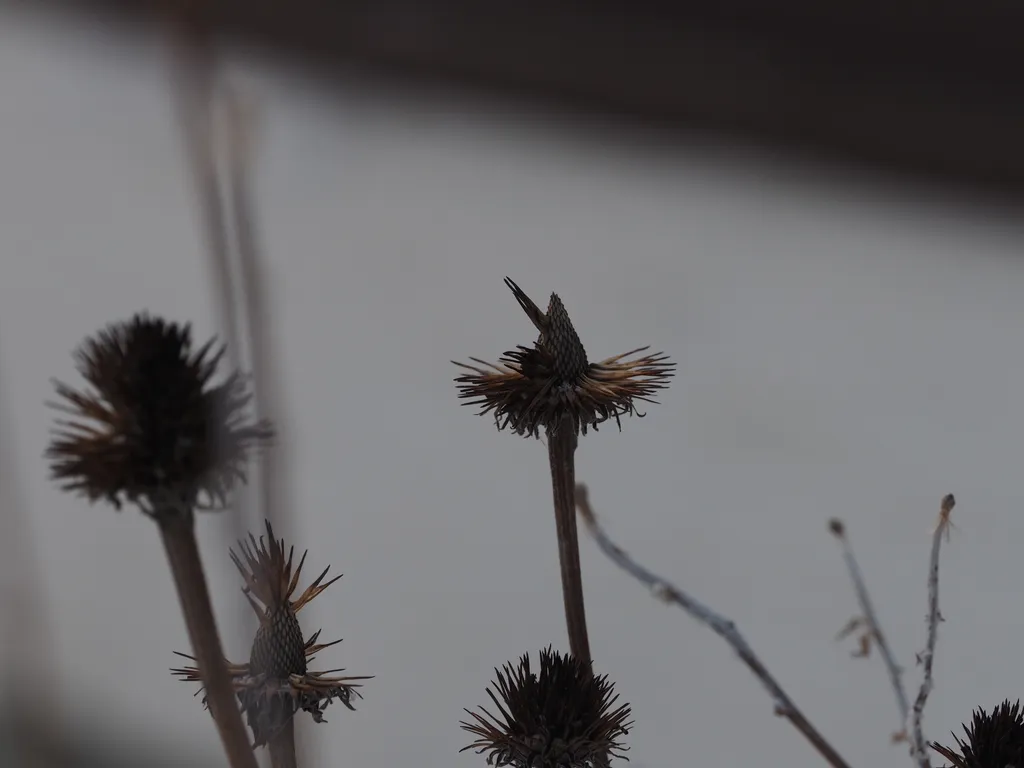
(930, 88)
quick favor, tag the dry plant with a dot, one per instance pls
(153, 429)
(552, 386)
(994, 740)
(276, 683)
(559, 716)
(871, 635)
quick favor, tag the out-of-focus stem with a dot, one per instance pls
(177, 529)
(282, 747)
(193, 79)
(562, 456)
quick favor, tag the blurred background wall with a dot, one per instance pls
(815, 213)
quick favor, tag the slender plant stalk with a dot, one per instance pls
(282, 747)
(719, 624)
(927, 656)
(274, 493)
(193, 78)
(178, 533)
(562, 455)
(27, 678)
(874, 628)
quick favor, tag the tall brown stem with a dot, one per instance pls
(282, 747)
(193, 80)
(177, 529)
(562, 456)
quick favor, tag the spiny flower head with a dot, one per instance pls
(560, 715)
(994, 740)
(276, 682)
(152, 424)
(531, 388)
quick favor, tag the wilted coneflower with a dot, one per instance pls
(276, 682)
(552, 385)
(153, 429)
(537, 387)
(994, 740)
(560, 716)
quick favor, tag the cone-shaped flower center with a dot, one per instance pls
(561, 341)
(278, 649)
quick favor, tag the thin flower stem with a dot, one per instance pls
(177, 529)
(193, 77)
(274, 475)
(873, 626)
(927, 657)
(562, 456)
(28, 680)
(719, 624)
(282, 747)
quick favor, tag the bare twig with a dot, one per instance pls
(927, 657)
(561, 452)
(874, 629)
(719, 624)
(177, 530)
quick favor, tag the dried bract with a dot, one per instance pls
(531, 388)
(276, 682)
(152, 425)
(559, 716)
(994, 740)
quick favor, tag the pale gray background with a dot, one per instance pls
(844, 349)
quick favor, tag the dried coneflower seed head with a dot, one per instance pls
(536, 387)
(152, 424)
(994, 740)
(276, 683)
(560, 715)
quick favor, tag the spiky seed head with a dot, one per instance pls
(539, 387)
(278, 650)
(152, 424)
(276, 682)
(994, 740)
(559, 716)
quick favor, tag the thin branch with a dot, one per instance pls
(561, 453)
(874, 629)
(927, 657)
(719, 624)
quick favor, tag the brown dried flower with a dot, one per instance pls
(560, 716)
(152, 425)
(535, 387)
(276, 682)
(994, 740)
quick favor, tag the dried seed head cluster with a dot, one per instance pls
(994, 740)
(531, 388)
(559, 716)
(152, 425)
(276, 682)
